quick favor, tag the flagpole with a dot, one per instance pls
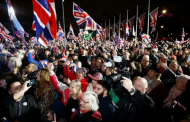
(114, 25)
(136, 24)
(109, 29)
(148, 17)
(127, 24)
(64, 27)
(119, 24)
(105, 30)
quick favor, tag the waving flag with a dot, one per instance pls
(33, 40)
(153, 17)
(183, 35)
(45, 22)
(2, 35)
(145, 37)
(131, 23)
(71, 34)
(127, 30)
(60, 32)
(2, 28)
(14, 22)
(141, 22)
(6, 37)
(83, 19)
(98, 36)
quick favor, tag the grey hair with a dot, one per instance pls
(15, 61)
(79, 64)
(19, 55)
(179, 77)
(93, 100)
(35, 66)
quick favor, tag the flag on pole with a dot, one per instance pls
(98, 36)
(145, 37)
(13, 19)
(183, 35)
(131, 23)
(127, 30)
(71, 34)
(2, 28)
(60, 32)
(141, 22)
(45, 22)
(153, 17)
(83, 19)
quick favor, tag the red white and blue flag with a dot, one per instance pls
(45, 22)
(33, 40)
(71, 34)
(83, 19)
(98, 36)
(13, 19)
(127, 30)
(6, 37)
(141, 22)
(131, 23)
(2, 28)
(60, 32)
(183, 35)
(153, 18)
(145, 37)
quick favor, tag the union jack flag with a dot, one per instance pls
(71, 34)
(153, 17)
(127, 30)
(98, 36)
(60, 32)
(63, 59)
(33, 40)
(183, 35)
(45, 21)
(26, 34)
(24, 42)
(131, 23)
(145, 37)
(19, 34)
(119, 43)
(2, 35)
(9, 38)
(141, 22)
(2, 28)
(83, 19)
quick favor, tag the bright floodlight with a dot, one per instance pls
(164, 11)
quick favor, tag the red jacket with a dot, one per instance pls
(60, 87)
(73, 76)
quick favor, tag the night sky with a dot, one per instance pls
(101, 10)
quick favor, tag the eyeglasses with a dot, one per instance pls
(83, 101)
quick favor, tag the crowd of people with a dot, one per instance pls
(95, 82)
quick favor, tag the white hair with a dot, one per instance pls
(15, 61)
(182, 77)
(79, 64)
(93, 100)
(19, 55)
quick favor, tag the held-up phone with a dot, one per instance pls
(31, 83)
(188, 60)
(89, 57)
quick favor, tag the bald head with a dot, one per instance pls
(141, 84)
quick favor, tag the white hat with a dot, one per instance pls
(146, 57)
(117, 59)
(108, 64)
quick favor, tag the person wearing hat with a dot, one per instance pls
(153, 77)
(97, 76)
(42, 59)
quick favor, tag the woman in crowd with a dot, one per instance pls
(88, 111)
(153, 77)
(44, 92)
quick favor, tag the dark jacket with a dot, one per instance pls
(30, 111)
(86, 117)
(180, 111)
(107, 110)
(138, 108)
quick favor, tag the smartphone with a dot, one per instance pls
(188, 60)
(31, 82)
(89, 57)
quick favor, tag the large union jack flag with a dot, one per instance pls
(131, 23)
(45, 22)
(83, 19)
(141, 22)
(153, 17)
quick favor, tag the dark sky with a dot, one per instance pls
(97, 8)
